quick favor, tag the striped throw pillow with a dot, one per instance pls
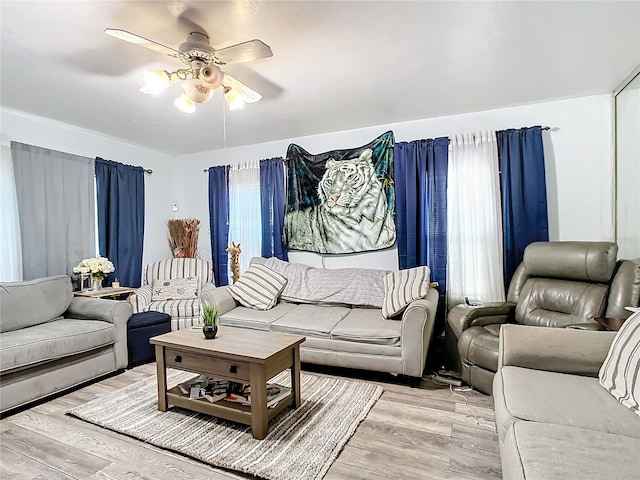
(403, 287)
(620, 372)
(258, 288)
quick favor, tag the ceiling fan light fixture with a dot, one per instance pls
(155, 81)
(202, 73)
(235, 101)
(211, 75)
(196, 90)
(185, 104)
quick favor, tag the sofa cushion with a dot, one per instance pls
(188, 308)
(331, 346)
(24, 304)
(561, 399)
(255, 319)
(548, 302)
(620, 372)
(174, 288)
(259, 287)
(312, 320)
(402, 288)
(45, 342)
(339, 286)
(367, 326)
(537, 451)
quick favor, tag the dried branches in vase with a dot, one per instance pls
(191, 231)
(183, 237)
(176, 235)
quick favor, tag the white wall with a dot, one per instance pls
(578, 152)
(578, 155)
(46, 133)
(628, 171)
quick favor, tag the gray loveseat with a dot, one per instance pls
(50, 341)
(339, 334)
(554, 419)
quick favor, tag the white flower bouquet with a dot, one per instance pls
(99, 267)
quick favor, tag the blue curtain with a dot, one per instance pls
(524, 193)
(421, 209)
(410, 173)
(437, 166)
(219, 222)
(120, 193)
(272, 207)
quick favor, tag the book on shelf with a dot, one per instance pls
(241, 393)
(203, 387)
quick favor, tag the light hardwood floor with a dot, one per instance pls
(411, 433)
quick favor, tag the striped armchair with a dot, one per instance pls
(186, 311)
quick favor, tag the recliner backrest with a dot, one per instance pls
(624, 290)
(173, 268)
(562, 283)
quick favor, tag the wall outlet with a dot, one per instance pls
(174, 206)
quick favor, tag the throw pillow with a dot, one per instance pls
(174, 288)
(259, 287)
(619, 372)
(403, 287)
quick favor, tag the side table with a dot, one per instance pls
(106, 292)
(613, 324)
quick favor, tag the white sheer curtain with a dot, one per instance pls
(474, 220)
(10, 244)
(245, 224)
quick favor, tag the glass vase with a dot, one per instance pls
(96, 284)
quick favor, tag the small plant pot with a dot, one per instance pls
(210, 332)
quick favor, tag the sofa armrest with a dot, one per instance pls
(462, 317)
(113, 311)
(564, 350)
(417, 329)
(220, 297)
(140, 299)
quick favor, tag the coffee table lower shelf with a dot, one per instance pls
(222, 409)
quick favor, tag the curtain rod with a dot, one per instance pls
(285, 160)
(148, 171)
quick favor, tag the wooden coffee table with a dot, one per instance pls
(237, 355)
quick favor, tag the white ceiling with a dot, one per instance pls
(335, 66)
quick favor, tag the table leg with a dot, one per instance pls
(162, 378)
(295, 377)
(259, 417)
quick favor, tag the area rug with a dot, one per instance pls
(301, 443)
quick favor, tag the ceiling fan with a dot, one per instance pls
(202, 74)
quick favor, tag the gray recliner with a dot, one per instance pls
(558, 284)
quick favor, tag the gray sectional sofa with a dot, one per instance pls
(50, 341)
(554, 419)
(340, 334)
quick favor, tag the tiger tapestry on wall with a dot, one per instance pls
(341, 201)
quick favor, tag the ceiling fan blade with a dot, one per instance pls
(249, 95)
(244, 52)
(143, 42)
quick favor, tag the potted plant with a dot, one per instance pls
(209, 315)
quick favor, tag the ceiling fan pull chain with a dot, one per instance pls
(224, 124)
